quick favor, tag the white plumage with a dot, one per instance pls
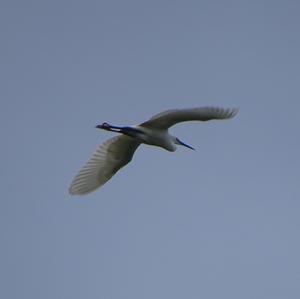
(118, 151)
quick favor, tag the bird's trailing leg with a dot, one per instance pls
(183, 144)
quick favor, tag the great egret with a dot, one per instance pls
(116, 152)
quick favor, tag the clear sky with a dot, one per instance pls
(220, 222)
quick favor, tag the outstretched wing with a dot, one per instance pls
(169, 118)
(111, 156)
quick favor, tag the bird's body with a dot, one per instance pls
(156, 137)
(118, 151)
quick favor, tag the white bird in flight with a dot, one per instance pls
(118, 151)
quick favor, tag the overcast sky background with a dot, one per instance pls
(220, 222)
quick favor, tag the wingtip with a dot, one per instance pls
(234, 111)
(77, 193)
(72, 192)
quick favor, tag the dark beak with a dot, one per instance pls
(108, 127)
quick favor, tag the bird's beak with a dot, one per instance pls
(184, 144)
(108, 127)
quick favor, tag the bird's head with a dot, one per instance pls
(130, 131)
(104, 126)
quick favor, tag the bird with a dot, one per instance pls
(118, 151)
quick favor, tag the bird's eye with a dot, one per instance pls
(106, 125)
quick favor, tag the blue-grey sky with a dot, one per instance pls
(220, 222)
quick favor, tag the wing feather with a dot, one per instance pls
(169, 118)
(110, 157)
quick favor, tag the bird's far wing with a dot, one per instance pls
(110, 156)
(168, 118)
